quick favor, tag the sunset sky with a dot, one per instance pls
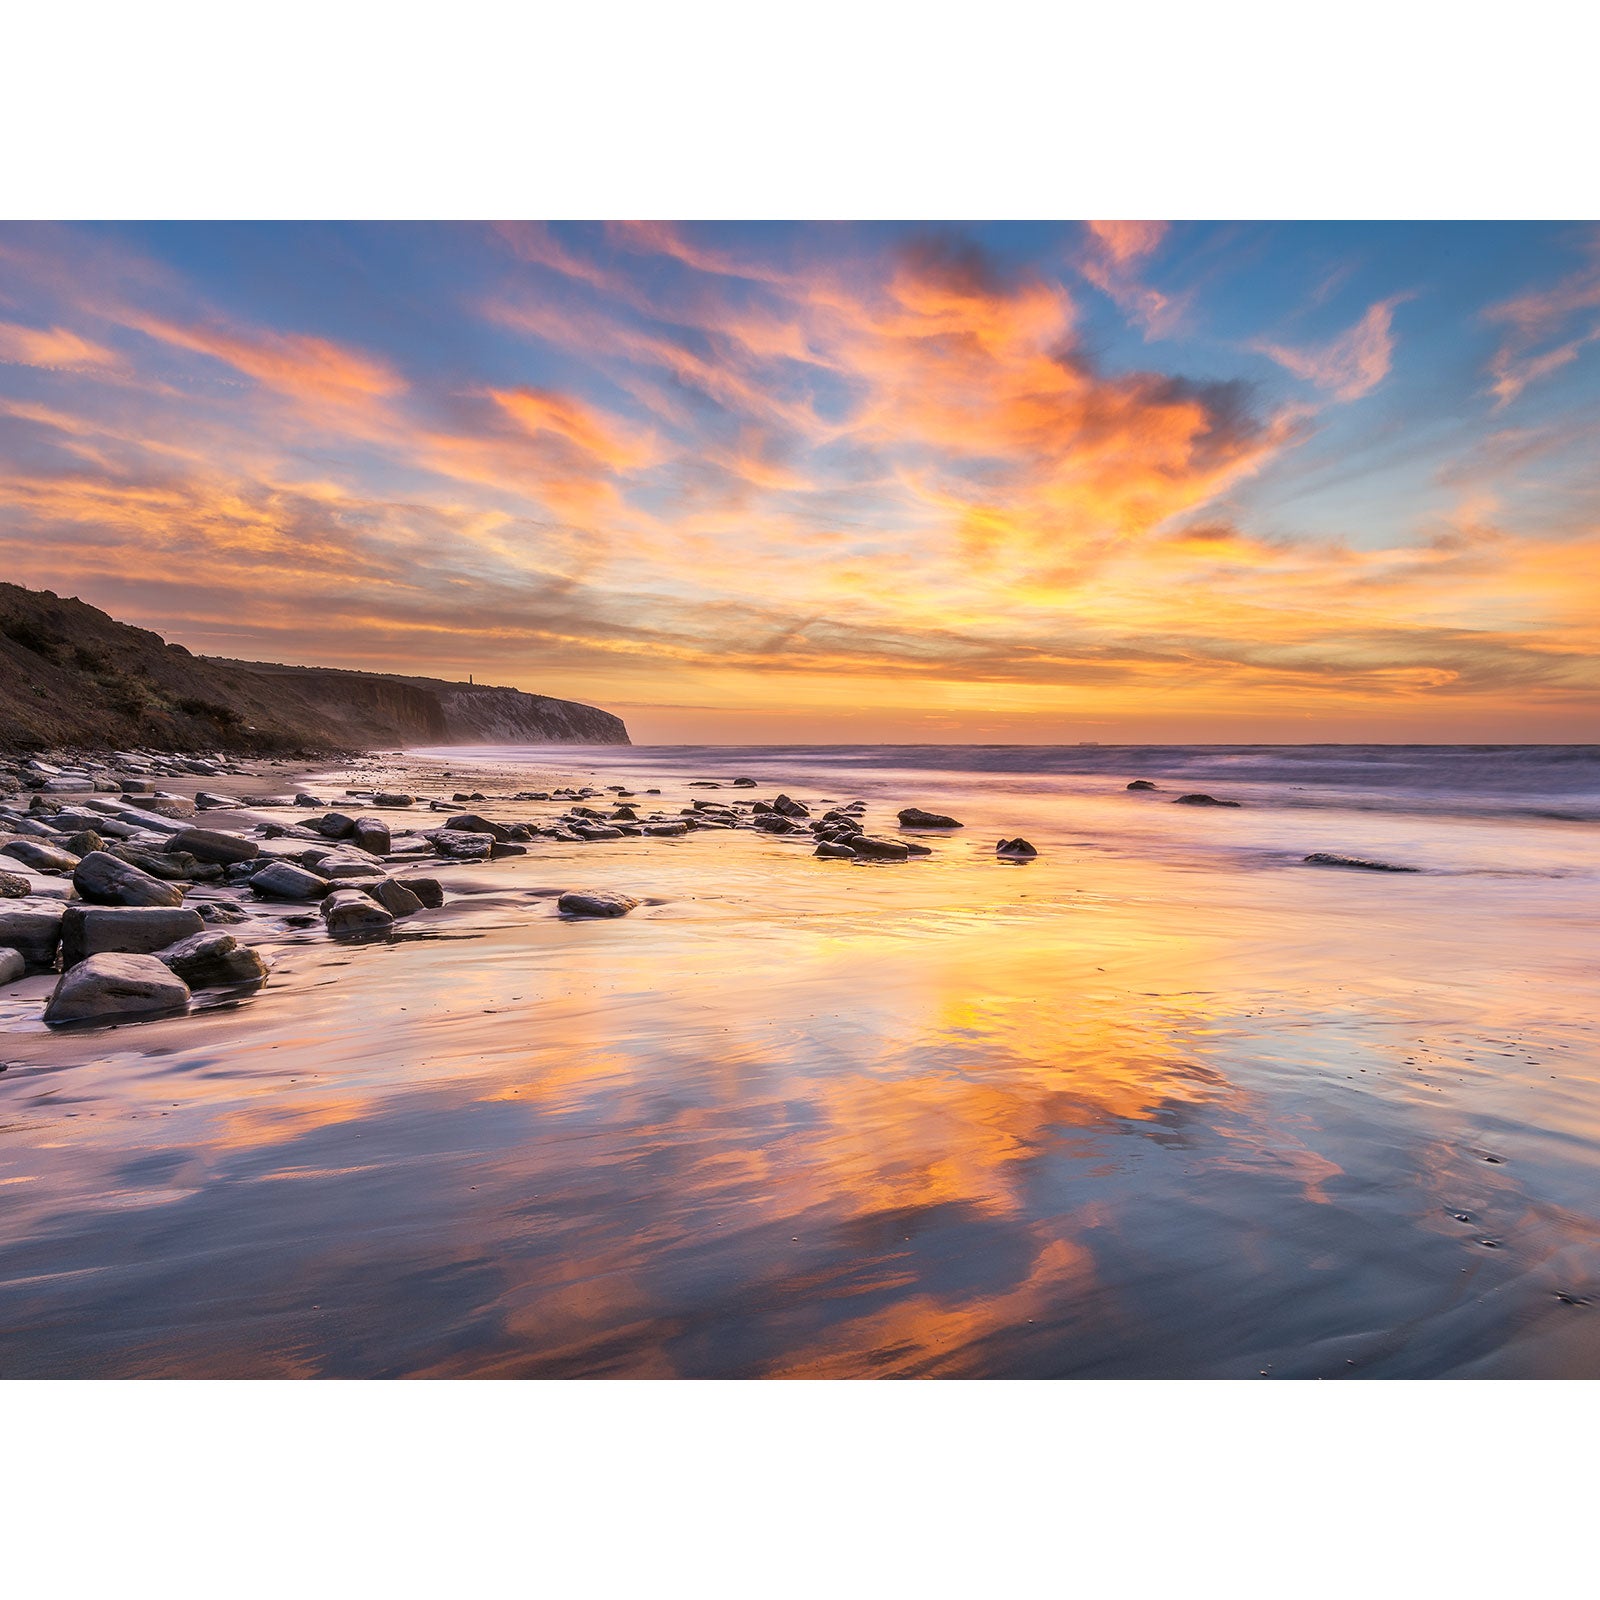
(827, 482)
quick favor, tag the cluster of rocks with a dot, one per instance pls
(122, 890)
(120, 772)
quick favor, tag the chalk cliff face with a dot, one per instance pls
(475, 714)
(72, 676)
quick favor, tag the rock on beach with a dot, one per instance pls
(916, 817)
(88, 930)
(579, 903)
(107, 986)
(105, 879)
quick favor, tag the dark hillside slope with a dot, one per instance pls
(72, 676)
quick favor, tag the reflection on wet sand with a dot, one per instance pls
(1098, 1117)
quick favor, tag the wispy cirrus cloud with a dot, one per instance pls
(1111, 261)
(1353, 363)
(1545, 329)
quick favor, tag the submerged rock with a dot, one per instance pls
(107, 986)
(209, 960)
(578, 903)
(123, 930)
(915, 817)
(1203, 800)
(105, 879)
(871, 848)
(1141, 783)
(1325, 858)
(1015, 847)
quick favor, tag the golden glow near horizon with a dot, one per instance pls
(1113, 481)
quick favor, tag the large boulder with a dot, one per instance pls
(915, 817)
(41, 857)
(872, 848)
(578, 903)
(394, 897)
(34, 933)
(393, 800)
(12, 966)
(471, 822)
(350, 913)
(210, 959)
(282, 880)
(103, 879)
(1140, 784)
(123, 930)
(336, 825)
(13, 886)
(206, 844)
(455, 845)
(428, 890)
(109, 986)
(371, 834)
(785, 807)
(830, 850)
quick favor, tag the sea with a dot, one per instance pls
(1166, 1100)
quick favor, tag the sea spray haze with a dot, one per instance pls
(1165, 1100)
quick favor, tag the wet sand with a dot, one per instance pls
(1128, 1110)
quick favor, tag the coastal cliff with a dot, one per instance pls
(72, 676)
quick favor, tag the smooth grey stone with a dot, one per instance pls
(35, 932)
(41, 857)
(107, 986)
(872, 848)
(578, 903)
(124, 930)
(12, 966)
(395, 897)
(207, 844)
(459, 846)
(350, 912)
(916, 817)
(372, 835)
(210, 959)
(282, 880)
(104, 879)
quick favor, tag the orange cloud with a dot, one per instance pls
(1351, 365)
(1535, 319)
(51, 347)
(1115, 250)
